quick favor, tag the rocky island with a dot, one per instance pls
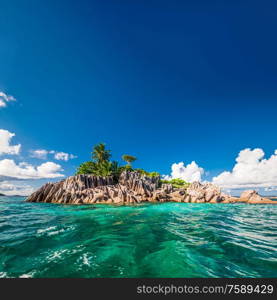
(132, 188)
(103, 181)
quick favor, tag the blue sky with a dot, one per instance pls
(166, 81)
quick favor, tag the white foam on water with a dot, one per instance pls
(46, 229)
(3, 275)
(59, 254)
(52, 230)
(56, 255)
(86, 260)
(55, 232)
(28, 275)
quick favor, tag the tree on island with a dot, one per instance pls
(129, 159)
(86, 168)
(100, 154)
(100, 165)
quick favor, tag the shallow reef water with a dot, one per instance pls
(148, 240)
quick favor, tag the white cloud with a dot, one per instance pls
(40, 153)
(4, 99)
(11, 189)
(251, 170)
(63, 156)
(5, 139)
(8, 168)
(191, 172)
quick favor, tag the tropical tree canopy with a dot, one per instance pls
(100, 153)
(87, 167)
(177, 183)
(149, 174)
(100, 165)
(128, 158)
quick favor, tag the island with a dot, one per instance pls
(103, 181)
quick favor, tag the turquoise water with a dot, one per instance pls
(156, 240)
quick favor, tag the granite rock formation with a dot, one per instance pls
(251, 196)
(132, 187)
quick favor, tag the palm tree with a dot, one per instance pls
(129, 159)
(100, 154)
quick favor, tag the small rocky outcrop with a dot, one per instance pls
(132, 187)
(251, 196)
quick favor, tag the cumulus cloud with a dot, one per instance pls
(5, 140)
(251, 170)
(191, 172)
(63, 156)
(40, 153)
(8, 168)
(4, 99)
(11, 189)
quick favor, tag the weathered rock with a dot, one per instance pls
(85, 189)
(216, 199)
(248, 194)
(206, 192)
(132, 187)
(252, 196)
(139, 183)
(167, 188)
(177, 196)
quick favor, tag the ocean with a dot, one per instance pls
(149, 240)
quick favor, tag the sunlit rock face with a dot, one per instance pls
(253, 197)
(84, 189)
(132, 187)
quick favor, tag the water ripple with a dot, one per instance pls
(156, 240)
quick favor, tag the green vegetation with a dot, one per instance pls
(100, 164)
(100, 154)
(149, 174)
(177, 183)
(86, 168)
(129, 159)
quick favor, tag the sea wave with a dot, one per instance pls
(157, 240)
